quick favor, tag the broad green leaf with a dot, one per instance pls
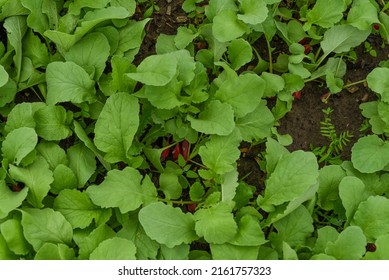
(325, 13)
(216, 223)
(22, 115)
(370, 154)
(165, 97)
(12, 232)
(76, 6)
(378, 82)
(131, 37)
(146, 248)
(53, 154)
(274, 152)
(249, 233)
(91, 52)
(221, 152)
(116, 126)
(51, 251)
(16, 27)
(372, 217)
(36, 19)
(42, 226)
(253, 11)
(328, 193)
(217, 6)
(116, 248)
(242, 93)
(11, 8)
(81, 134)
(257, 124)
(10, 200)
(18, 144)
(217, 118)
(8, 92)
(64, 178)
(184, 37)
(350, 245)
(362, 14)
(167, 225)
(51, 123)
(288, 252)
(91, 239)
(130, 5)
(180, 252)
(5, 253)
(229, 185)
(155, 70)
(274, 83)
(82, 162)
(325, 235)
(35, 50)
(341, 38)
(3, 76)
(77, 208)
(352, 191)
(294, 174)
(120, 188)
(170, 185)
(232, 252)
(37, 177)
(226, 26)
(67, 81)
(293, 229)
(382, 252)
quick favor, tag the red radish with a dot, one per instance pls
(297, 94)
(185, 149)
(191, 207)
(303, 41)
(307, 49)
(176, 151)
(165, 153)
(376, 26)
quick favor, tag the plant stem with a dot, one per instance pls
(182, 202)
(270, 56)
(353, 84)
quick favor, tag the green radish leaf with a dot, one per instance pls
(352, 191)
(5, 253)
(221, 152)
(257, 124)
(82, 162)
(226, 26)
(42, 226)
(370, 154)
(325, 235)
(293, 229)
(130, 38)
(8, 92)
(51, 123)
(371, 217)
(232, 252)
(37, 177)
(3, 76)
(92, 239)
(76, 6)
(341, 38)
(67, 81)
(217, 118)
(22, 115)
(78, 209)
(253, 11)
(51, 251)
(242, 93)
(120, 188)
(378, 82)
(116, 248)
(165, 97)
(249, 233)
(91, 52)
(217, 6)
(16, 27)
(180, 252)
(12, 232)
(362, 14)
(10, 200)
(294, 174)
(64, 178)
(350, 245)
(36, 19)
(18, 144)
(167, 225)
(325, 13)
(328, 193)
(216, 223)
(155, 70)
(53, 154)
(229, 185)
(116, 126)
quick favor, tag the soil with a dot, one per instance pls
(303, 121)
